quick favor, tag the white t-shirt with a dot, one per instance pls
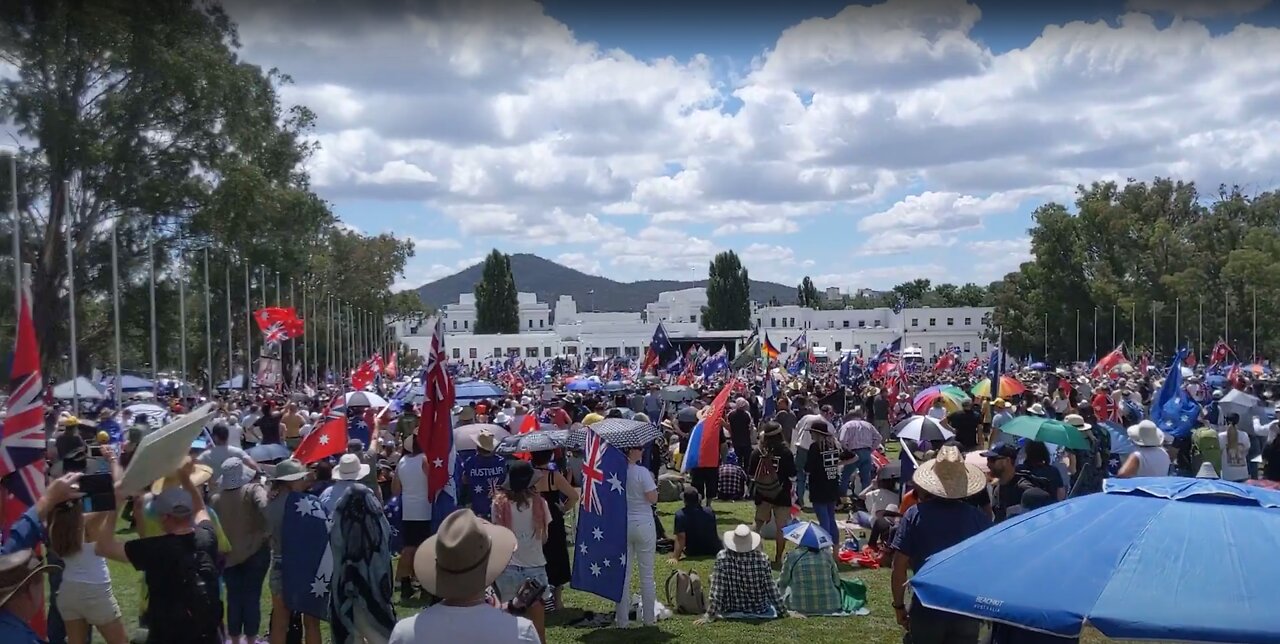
(414, 503)
(1235, 464)
(480, 624)
(639, 481)
(803, 438)
(878, 499)
(235, 434)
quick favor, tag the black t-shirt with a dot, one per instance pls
(740, 427)
(175, 566)
(698, 524)
(965, 425)
(269, 424)
(785, 461)
(824, 473)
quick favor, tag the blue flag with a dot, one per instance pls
(994, 370)
(770, 393)
(600, 552)
(309, 567)
(1173, 411)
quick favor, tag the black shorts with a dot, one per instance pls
(415, 532)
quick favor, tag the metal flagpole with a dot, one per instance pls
(293, 344)
(1095, 331)
(16, 234)
(262, 283)
(1046, 337)
(151, 265)
(328, 341)
(210, 380)
(305, 338)
(248, 327)
(1153, 329)
(115, 308)
(1113, 325)
(1226, 317)
(71, 295)
(278, 301)
(1177, 324)
(1133, 325)
(1200, 336)
(1077, 335)
(1255, 323)
(182, 315)
(231, 372)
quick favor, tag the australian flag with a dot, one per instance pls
(717, 363)
(1173, 411)
(661, 345)
(600, 551)
(307, 570)
(888, 352)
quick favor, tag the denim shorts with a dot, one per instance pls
(509, 581)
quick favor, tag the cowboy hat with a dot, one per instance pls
(350, 468)
(903, 396)
(873, 392)
(1145, 434)
(18, 568)
(486, 441)
(770, 429)
(466, 555)
(200, 474)
(948, 476)
(1077, 421)
(741, 539)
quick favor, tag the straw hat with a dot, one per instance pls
(200, 475)
(18, 568)
(1077, 421)
(1036, 409)
(1145, 434)
(350, 468)
(741, 539)
(466, 555)
(948, 476)
(486, 441)
(999, 403)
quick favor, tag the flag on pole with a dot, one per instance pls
(600, 548)
(329, 439)
(22, 438)
(767, 349)
(1110, 361)
(704, 439)
(435, 429)
(1173, 410)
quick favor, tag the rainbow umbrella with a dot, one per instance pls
(952, 397)
(1009, 386)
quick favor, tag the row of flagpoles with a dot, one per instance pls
(351, 333)
(1177, 327)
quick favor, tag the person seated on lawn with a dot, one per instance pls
(883, 527)
(732, 481)
(810, 581)
(695, 529)
(741, 580)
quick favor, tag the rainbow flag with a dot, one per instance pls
(704, 440)
(769, 351)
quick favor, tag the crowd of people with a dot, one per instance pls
(211, 534)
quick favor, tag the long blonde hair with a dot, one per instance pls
(66, 529)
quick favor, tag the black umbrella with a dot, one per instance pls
(538, 441)
(626, 434)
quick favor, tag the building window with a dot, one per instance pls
(759, 321)
(877, 324)
(611, 351)
(472, 353)
(951, 321)
(838, 345)
(862, 324)
(546, 352)
(455, 325)
(966, 347)
(541, 323)
(831, 324)
(693, 318)
(571, 351)
(968, 321)
(530, 323)
(465, 323)
(531, 352)
(915, 322)
(632, 352)
(845, 324)
(873, 347)
(497, 353)
(933, 349)
(984, 346)
(773, 322)
(457, 353)
(933, 321)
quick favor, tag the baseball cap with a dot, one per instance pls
(1002, 450)
(173, 501)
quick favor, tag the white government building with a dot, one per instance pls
(566, 331)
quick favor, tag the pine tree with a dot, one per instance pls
(807, 294)
(497, 308)
(728, 295)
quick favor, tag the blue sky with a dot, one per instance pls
(863, 145)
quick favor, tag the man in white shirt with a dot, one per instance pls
(458, 564)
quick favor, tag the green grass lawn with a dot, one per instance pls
(879, 626)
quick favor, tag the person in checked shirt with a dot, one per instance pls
(732, 481)
(741, 580)
(860, 437)
(811, 581)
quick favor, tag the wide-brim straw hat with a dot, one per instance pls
(466, 555)
(742, 539)
(1145, 434)
(948, 476)
(350, 468)
(1077, 421)
(200, 475)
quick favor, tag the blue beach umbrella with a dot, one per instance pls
(1169, 559)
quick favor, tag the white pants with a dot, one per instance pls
(642, 545)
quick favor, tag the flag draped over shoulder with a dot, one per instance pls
(307, 570)
(435, 429)
(600, 549)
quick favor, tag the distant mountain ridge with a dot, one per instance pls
(551, 280)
